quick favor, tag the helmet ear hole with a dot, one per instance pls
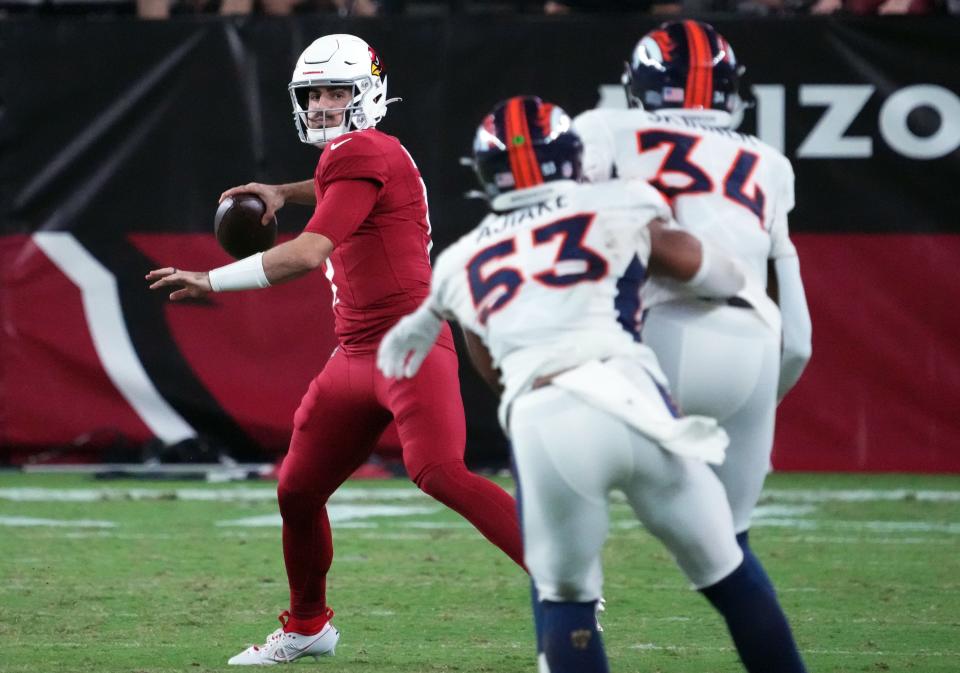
(302, 94)
(626, 80)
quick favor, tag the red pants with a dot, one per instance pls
(344, 412)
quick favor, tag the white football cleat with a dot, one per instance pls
(601, 607)
(284, 647)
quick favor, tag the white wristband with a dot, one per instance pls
(704, 269)
(718, 276)
(244, 274)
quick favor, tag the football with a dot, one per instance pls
(238, 229)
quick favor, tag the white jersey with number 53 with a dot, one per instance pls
(728, 188)
(543, 283)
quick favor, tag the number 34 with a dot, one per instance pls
(677, 160)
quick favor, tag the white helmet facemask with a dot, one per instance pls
(338, 61)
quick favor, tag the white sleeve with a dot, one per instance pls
(780, 243)
(794, 314)
(598, 146)
(797, 329)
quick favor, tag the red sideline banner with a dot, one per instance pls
(881, 392)
(64, 371)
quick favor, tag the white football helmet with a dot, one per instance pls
(339, 60)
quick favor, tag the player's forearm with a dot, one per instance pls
(797, 328)
(277, 265)
(296, 258)
(704, 270)
(299, 192)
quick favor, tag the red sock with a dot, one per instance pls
(308, 627)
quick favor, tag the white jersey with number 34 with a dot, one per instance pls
(728, 188)
(543, 284)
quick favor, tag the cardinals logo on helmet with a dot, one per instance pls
(376, 68)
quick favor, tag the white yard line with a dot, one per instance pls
(351, 507)
(771, 511)
(336, 513)
(864, 526)
(29, 521)
(849, 539)
(857, 495)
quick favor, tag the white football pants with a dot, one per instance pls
(722, 361)
(569, 456)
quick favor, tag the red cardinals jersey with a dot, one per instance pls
(379, 269)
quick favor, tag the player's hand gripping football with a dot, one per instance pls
(186, 284)
(271, 195)
(406, 346)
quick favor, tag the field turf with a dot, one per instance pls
(135, 576)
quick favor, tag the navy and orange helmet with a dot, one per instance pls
(525, 142)
(683, 64)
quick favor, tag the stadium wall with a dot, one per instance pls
(116, 138)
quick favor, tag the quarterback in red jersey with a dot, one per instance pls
(371, 233)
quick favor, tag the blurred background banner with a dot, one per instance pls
(117, 137)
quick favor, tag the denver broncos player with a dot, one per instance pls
(727, 359)
(371, 233)
(543, 284)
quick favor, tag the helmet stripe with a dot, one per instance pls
(527, 149)
(523, 161)
(706, 52)
(510, 127)
(692, 70)
(700, 72)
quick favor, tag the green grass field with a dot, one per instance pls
(178, 576)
